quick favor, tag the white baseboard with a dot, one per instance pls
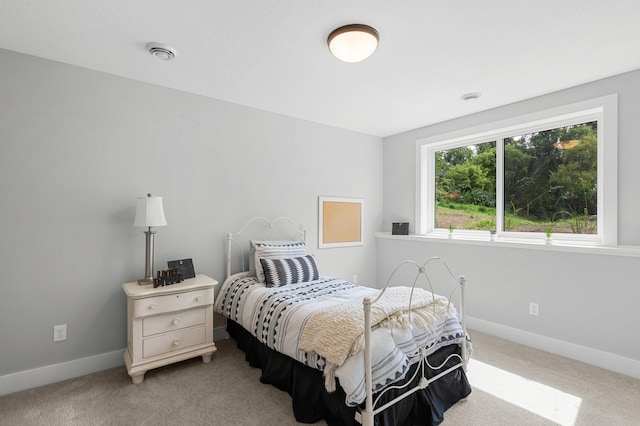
(609, 361)
(41, 376)
(48, 374)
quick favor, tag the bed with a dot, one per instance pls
(345, 353)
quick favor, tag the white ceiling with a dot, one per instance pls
(272, 54)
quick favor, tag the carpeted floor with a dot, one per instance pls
(513, 385)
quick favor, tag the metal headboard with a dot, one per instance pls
(268, 231)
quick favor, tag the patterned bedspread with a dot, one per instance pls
(276, 316)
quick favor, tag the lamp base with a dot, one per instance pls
(146, 281)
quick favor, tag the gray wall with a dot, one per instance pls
(585, 299)
(77, 147)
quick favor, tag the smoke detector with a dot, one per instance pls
(470, 97)
(161, 51)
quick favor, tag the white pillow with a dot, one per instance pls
(273, 250)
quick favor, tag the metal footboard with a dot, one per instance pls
(366, 416)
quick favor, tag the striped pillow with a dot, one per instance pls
(293, 270)
(273, 250)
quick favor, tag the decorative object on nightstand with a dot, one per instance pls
(185, 265)
(168, 277)
(149, 213)
(168, 324)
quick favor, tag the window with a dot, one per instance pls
(465, 187)
(552, 172)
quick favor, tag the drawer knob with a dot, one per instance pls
(176, 341)
(199, 299)
(176, 321)
(153, 306)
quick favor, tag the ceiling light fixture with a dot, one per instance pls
(353, 43)
(161, 51)
(470, 97)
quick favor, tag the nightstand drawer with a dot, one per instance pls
(173, 321)
(173, 341)
(172, 302)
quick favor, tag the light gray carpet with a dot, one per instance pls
(228, 392)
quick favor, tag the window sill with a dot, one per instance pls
(561, 246)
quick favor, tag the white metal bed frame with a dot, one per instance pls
(366, 416)
(271, 230)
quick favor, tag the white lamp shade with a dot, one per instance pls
(149, 212)
(353, 43)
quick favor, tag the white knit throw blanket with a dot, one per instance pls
(337, 332)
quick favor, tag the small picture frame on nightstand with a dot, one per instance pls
(185, 265)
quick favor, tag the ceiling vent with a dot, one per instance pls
(161, 51)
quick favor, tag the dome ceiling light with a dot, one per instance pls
(161, 51)
(353, 43)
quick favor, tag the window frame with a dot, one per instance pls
(602, 109)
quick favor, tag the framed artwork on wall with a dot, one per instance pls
(340, 222)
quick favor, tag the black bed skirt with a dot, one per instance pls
(311, 402)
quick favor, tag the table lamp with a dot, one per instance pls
(149, 213)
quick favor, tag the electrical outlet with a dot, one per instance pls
(355, 279)
(59, 332)
(534, 309)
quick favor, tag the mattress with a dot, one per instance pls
(276, 317)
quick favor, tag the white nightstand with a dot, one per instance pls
(168, 324)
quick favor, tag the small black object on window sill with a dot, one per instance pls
(400, 228)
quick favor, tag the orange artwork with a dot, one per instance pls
(341, 222)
